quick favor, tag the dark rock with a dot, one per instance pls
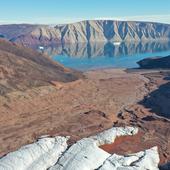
(155, 63)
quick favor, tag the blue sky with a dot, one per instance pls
(66, 11)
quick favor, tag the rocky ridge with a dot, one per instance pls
(22, 68)
(86, 31)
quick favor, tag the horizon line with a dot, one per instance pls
(81, 20)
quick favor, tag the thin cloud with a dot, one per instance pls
(60, 20)
(43, 20)
(151, 18)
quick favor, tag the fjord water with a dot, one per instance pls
(87, 56)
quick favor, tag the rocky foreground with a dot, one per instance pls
(85, 107)
(55, 154)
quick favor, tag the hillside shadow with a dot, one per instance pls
(158, 101)
(165, 166)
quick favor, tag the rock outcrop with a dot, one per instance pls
(155, 63)
(54, 154)
(38, 156)
(86, 31)
(145, 160)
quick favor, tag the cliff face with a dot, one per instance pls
(86, 31)
(113, 31)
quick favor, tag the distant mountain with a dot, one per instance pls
(86, 31)
(29, 35)
(22, 68)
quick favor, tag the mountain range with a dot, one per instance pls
(85, 31)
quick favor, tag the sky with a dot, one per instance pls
(68, 11)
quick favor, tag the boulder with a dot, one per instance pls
(109, 136)
(144, 160)
(84, 155)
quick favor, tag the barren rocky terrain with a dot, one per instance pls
(105, 98)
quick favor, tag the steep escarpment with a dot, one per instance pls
(107, 30)
(86, 31)
(21, 68)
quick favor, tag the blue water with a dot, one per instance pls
(96, 56)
